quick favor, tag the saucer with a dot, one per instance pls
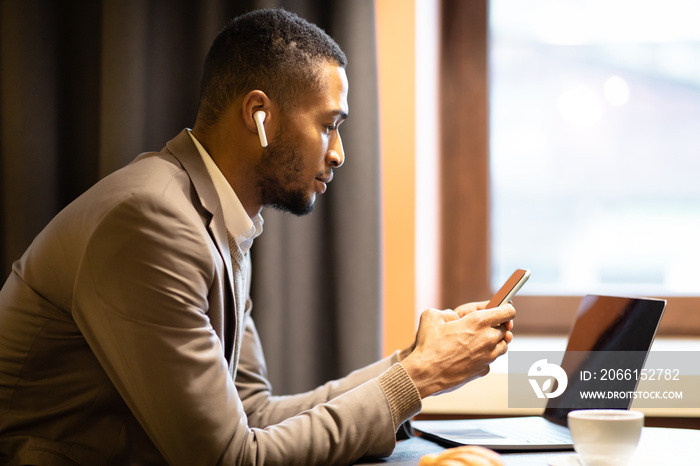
(564, 460)
(572, 460)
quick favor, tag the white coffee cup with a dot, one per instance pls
(605, 437)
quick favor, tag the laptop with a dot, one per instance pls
(605, 326)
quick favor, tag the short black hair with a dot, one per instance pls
(272, 50)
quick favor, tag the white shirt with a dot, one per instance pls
(243, 229)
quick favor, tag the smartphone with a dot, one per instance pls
(509, 288)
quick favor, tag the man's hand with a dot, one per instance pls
(454, 347)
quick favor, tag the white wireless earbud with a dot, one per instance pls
(259, 118)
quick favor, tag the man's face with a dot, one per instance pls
(298, 163)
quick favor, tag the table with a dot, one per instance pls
(657, 446)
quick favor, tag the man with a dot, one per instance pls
(126, 334)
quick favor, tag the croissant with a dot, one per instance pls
(470, 455)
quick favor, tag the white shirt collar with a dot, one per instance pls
(243, 229)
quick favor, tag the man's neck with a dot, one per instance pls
(233, 163)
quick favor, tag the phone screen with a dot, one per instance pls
(509, 288)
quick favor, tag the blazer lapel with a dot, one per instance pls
(184, 150)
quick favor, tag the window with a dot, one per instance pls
(595, 157)
(579, 162)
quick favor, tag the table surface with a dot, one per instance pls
(657, 446)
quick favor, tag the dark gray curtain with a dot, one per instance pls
(86, 85)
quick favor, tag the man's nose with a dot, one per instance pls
(336, 154)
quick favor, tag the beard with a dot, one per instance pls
(280, 178)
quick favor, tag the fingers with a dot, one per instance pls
(503, 335)
(430, 321)
(508, 337)
(441, 315)
(502, 347)
(468, 308)
(496, 341)
(493, 317)
(500, 340)
(499, 315)
(498, 319)
(481, 305)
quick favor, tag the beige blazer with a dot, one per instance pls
(123, 341)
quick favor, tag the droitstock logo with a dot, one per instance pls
(604, 379)
(546, 373)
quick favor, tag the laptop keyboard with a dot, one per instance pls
(544, 434)
(548, 435)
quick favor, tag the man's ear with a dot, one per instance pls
(257, 114)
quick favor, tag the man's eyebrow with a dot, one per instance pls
(343, 115)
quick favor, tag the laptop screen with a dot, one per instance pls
(608, 332)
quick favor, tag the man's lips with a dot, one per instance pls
(324, 180)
